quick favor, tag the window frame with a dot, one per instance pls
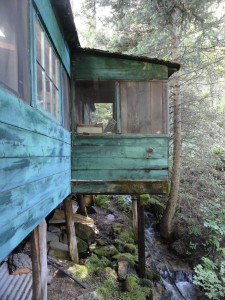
(36, 17)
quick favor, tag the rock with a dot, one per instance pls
(125, 268)
(52, 237)
(89, 296)
(179, 247)
(19, 263)
(63, 238)
(85, 233)
(59, 250)
(107, 251)
(146, 282)
(91, 210)
(110, 218)
(122, 269)
(101, 242)
(82, 245)
(54, 229)
(152, 274)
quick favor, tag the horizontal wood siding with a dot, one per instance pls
(116, 158)
(96, 67)
(35, 169)
(48, 16)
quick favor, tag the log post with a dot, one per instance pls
(82, 206)
(135, 218)
(39, 261)
(72, 241)
(141, 238)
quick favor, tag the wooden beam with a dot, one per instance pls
(141, 239)
(135, 218)
(72, 241)
(82, 207)
(39, 261)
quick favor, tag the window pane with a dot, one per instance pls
(48, 95)
(55, 102)
(39, 44)
(40, 86)
(48, 58)
(55, 69)
(14, 57)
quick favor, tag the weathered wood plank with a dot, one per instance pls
(39, 261)
(17, 113)
(52, 26)
(97, 67)
(120, 152)
(156, 108)
(121, 140)
(16, 172)
(121, 187)
(120, 174)
(17, 142)
(17, 229)
(72, 241)
(15, 201)
(105, 163)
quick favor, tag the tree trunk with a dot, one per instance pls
(168, 215)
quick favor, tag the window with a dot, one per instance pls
(14, 54)
(47, 68)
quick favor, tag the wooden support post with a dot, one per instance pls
(39, 261)
(82, 207)
(141, 239)
(135, 218)
(72, 241)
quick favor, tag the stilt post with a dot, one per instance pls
(39, 261)
(141, 238)
(71, 234)
(135, 218)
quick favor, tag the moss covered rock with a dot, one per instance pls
(107, 251)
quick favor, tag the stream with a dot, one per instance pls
(176, 277)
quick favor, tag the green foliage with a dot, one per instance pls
(145, 199)
(210, 277)
(102, 114)
(123, 205)
(102, 201)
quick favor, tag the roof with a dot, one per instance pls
(172, 66)
(64, 13)
(66, 19)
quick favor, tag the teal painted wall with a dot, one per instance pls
(118, 158)
(35, 169)
(35, 153)
(91, 67)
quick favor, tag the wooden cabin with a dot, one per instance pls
(36, 41)
(39, 56)
(131, 155)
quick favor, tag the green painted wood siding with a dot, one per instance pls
(35, 169)
(116, 159)
(92, 67)
(48, 16)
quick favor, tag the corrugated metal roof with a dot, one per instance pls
(14, 287)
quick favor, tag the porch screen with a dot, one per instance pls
(14, 59)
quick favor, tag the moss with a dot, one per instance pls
(102, 201)
(145, 199)
(131, 283)
(117, 228)
(95, 263)
(119, 245)
(134, 290)
(126, 256)
(79, 271)
(127, 236)
(152, 274)
(131, 248)
(107, 251)
(109, 289)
